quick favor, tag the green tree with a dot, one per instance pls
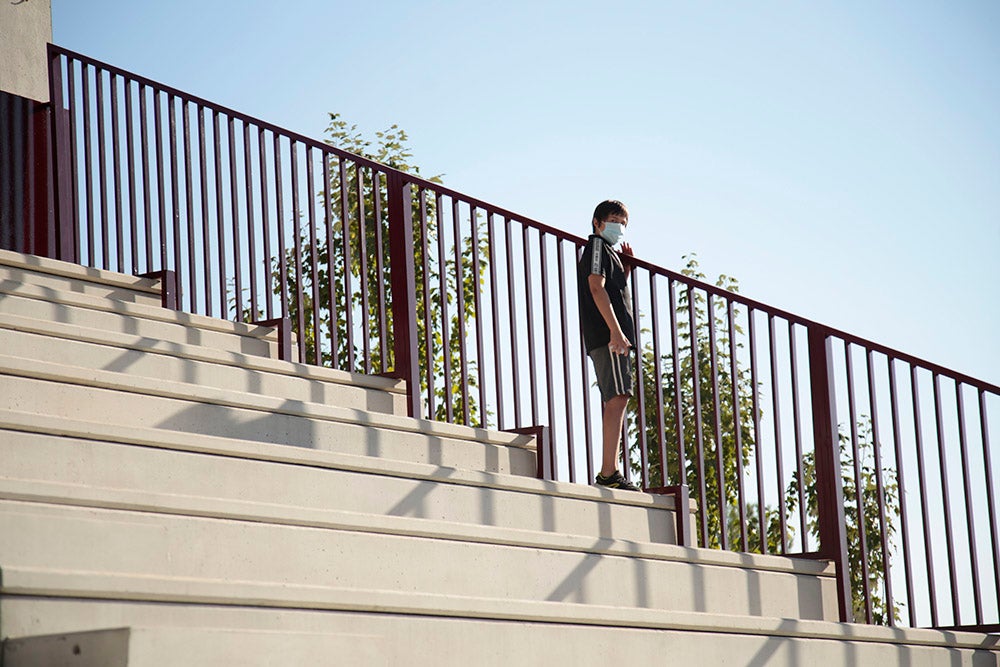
(733, 443)
(349, 272)
(865, 488)
(735, 414)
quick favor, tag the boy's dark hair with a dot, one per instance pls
(609, 207)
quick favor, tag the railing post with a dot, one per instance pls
(545, 451)
(403, 282)
(62, 176)
(829, 485)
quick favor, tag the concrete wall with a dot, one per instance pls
(25, 29)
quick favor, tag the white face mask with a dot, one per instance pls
(613, 232)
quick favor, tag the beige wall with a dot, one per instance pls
(25, 28)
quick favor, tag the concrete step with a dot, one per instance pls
(176, 464)
(136, 355)
(383, 628)
(264, 553)
(152, 322)
(54, 390)
(56, 276)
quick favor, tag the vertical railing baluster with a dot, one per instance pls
(116, 175)
(314, 260)
(234, 212)
(757, 445)
(266, 223)
(130, 169)
(779, 462)
(640, 392)
(859, 488)
(880, 490)
(189, 208)
(478, 316)
(901, 492)
(300, 316)
(513, 319)
(678, 393)
(563, 307)
(425, 250)
(658, 379)
(546, 335)
(946, 500)
(990, 504)
(147, 197)
(331, 269)
(924, 500)
(585, 392)
(345, 229)
(161, 197)
(969, 514)
(734, 381)
(279, 210)
(102, 173)
(366, 328)
(443, 294)
(530, 316)
(254, 283)
(720, 464)
(205, 223)
(380, 250)
(797, 424)
(88, 165)
(495, 314)
(175, 206)
(699, 434)
(463, 365)
(220, 215)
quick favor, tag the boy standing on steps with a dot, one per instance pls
(608, 327)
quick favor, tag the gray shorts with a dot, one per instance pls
(614, 373)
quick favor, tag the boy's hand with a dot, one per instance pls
(626, 254)
(618, 343)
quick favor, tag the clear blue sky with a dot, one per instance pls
(841, 159)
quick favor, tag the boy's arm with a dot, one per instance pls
(618, 343)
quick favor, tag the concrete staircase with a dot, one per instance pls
(171, 494)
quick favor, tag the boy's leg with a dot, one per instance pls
(613, 419)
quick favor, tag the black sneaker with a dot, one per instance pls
(615, 481)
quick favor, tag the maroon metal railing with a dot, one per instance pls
(794, 438)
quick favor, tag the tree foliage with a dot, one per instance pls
(350, 272)
(726, 393)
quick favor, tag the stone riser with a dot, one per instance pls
(246, 557)
(177, 635)
(203, 410)
(179, 366)
(371, 486)
(68, 278)
(149, 322)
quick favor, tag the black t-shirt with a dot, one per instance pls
(599, 258)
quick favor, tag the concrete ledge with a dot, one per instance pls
(86, 496)
(180, 365)
(316, 548)
(255, 450)
(59, 330)
(102, 586)
(103, 312)
(54, 267)
(85, 377)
